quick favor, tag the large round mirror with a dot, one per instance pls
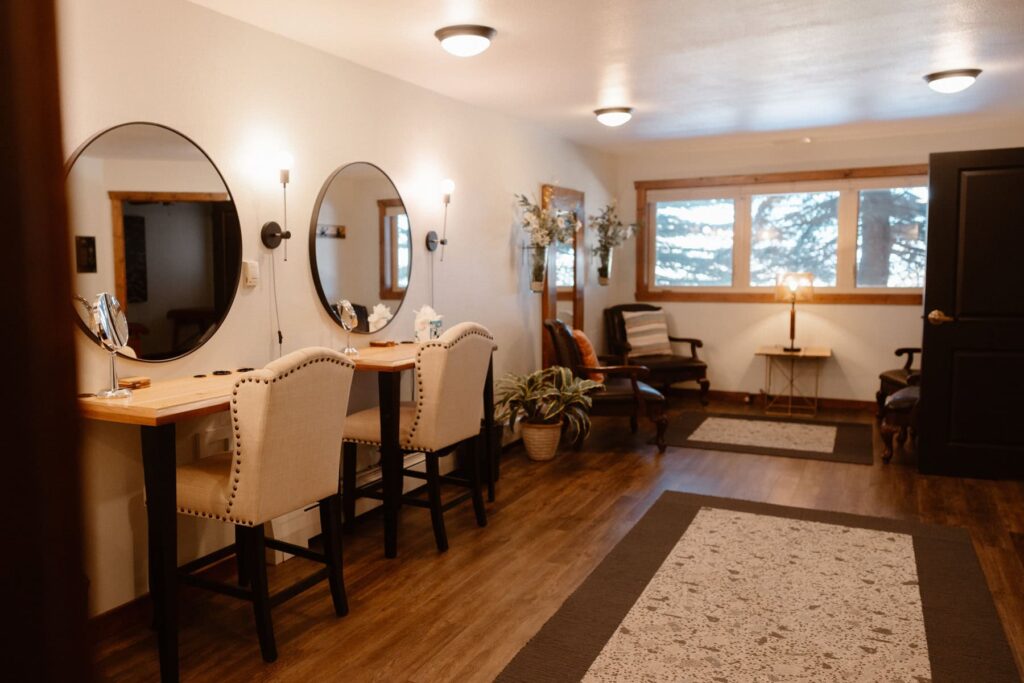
(360, 246)
(153, 223)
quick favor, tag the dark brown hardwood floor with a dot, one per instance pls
(462, 615)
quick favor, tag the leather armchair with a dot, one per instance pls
(665, 369)
(625, 393)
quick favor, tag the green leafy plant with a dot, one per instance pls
(547, 397)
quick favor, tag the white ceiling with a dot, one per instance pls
(689, 67)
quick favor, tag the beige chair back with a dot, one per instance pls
(288, 420)
(450, 376)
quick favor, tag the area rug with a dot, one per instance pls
(765, 435)
(713, 589)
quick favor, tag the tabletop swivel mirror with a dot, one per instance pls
(108, 322)
(360, 248)
(153, 223)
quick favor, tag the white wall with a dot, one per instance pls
(862, 338)
(242, 95)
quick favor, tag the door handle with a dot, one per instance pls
(937, 317)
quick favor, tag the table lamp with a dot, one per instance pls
(793, 287)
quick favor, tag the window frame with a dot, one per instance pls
(740, 188)
(389, 288)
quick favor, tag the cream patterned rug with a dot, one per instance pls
(749, 597)
(712, 589)
(789, 437)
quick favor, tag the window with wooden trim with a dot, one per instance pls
(861, 232)
(395, 240)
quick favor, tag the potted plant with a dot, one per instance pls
(611, 233)
(544, 226)
(544, 401)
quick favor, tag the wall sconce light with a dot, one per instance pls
(447, 188)
(272, 233)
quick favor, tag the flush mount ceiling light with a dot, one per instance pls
(614, 116)
(953, 80)
(465, 40)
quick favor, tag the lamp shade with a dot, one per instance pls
(790, 287)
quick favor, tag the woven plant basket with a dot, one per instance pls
(541, 440)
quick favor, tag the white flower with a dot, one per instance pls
(379, 317)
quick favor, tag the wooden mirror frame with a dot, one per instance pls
(563, 199)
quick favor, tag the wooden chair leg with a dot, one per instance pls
(474, 480)
(888, 432)
(242, 557)
(633, 423)
(434, 494)
(261, 592)
(880, 401)
(348, 485)
(330, 526)
(657, 414)
(705, 387)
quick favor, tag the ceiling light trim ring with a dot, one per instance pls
(465, 30)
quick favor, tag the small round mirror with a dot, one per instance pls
(360, 247)
(111, 322)
(347, 315)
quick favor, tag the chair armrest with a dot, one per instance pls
(694, 343)
(913, 379)
(909, 352)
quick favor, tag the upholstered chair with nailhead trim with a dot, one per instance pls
(287, 423)
(450, 376)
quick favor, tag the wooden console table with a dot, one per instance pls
(777, 359)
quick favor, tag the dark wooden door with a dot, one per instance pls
(42, 579)
(971, 421)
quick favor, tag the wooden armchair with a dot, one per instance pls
(665, 369)
(899, 417)
(893, 380)
(625, 393)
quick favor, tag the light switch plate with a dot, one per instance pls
(250, 273)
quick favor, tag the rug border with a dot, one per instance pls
(846, 433)
(952, 586)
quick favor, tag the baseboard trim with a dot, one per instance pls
(138, 612)
(755, 398)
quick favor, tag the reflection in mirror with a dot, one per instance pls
(153, 222)
(361, 246)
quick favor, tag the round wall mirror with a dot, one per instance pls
(153, 223)
(360, 246)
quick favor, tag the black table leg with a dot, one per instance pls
(491, 447)
(389, 385)
(158, 466)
